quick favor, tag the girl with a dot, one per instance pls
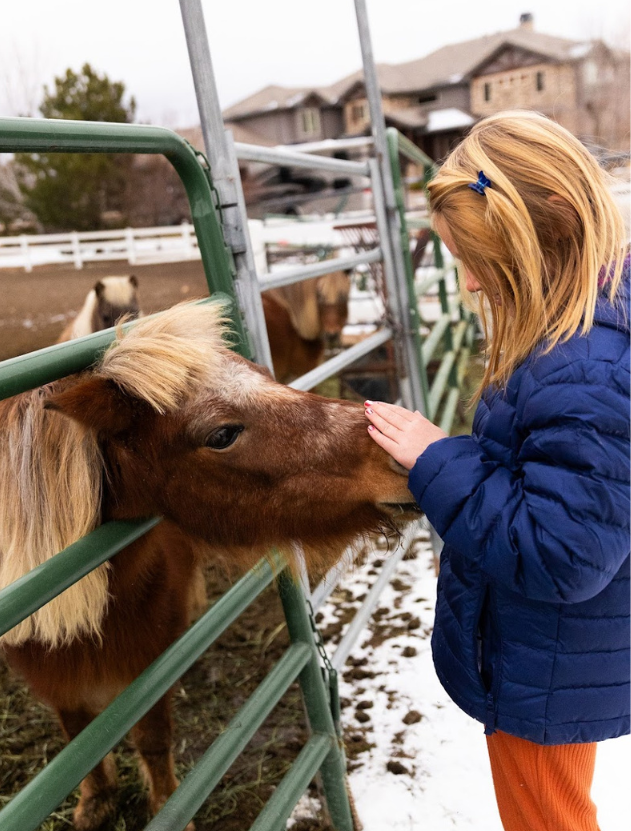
(532, 618)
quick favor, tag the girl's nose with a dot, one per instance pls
(471, 284)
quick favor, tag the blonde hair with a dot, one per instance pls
(537, 240)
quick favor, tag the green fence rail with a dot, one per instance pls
(323, 752)
(453, 332)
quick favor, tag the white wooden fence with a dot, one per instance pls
(143, 246)
(136, 245)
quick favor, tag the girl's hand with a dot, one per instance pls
(401, 433)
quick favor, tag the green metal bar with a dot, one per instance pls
(414, 321)
(205, 776)
(40, 135)
(410, 151)
(44, 793)
(446, 366)
(449, 410)
(28, 593)
(333, 769)
(433, 339)
(278, 808)
(421, 288)
(444, 302)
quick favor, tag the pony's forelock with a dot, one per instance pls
(164, 359)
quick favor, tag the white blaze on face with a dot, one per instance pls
(240, 383)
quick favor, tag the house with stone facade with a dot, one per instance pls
(434, 100)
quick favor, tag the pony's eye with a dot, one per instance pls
(224, 436)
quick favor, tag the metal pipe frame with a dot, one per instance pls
(278, 808)
(393, 299)
(328, 145)
(43, 794)
(306, 272)
(316, 698)
(410, 363)
(446, 366)
(184, 803)
(246, 287)
(225, 173)
(413, 334)
(344, 359)
(290, 158)
(362, 616)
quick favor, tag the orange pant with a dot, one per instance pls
(543, 788)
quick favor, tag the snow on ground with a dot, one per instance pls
(427, 769)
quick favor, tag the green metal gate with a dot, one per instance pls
(323, 751)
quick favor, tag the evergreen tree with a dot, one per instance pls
(73, 191)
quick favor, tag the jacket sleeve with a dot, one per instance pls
(552, 522)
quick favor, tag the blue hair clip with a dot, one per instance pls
(483, 182)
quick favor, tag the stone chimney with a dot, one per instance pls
(526, 21)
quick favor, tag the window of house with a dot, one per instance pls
(540, 81)
(487, 92)
(358, 112)
(590, 70)
(310, 121)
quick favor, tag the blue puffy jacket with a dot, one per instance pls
(532, 619)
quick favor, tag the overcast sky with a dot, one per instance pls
(253, 42)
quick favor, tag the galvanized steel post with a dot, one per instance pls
(225, 175)
(411, 358)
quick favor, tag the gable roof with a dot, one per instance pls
(457, 62)
(452, 64)
(273, 97)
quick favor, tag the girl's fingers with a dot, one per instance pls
(396, 415)
(384, 425)
(384, 441)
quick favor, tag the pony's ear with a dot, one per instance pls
(133, 280)
(99, 288)
(96, 403)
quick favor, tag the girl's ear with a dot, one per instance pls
(96, 403)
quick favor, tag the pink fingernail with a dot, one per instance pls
(369, 410)
(367, 403)
(371, 427)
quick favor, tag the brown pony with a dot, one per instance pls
(303, 319)
(170, 423)
(111, 299)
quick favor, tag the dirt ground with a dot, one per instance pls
(35, 307)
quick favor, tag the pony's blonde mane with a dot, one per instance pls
(51, 469)
(82, 324)
(50, 496)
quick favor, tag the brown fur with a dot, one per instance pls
(303, 470)
(303, 319)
